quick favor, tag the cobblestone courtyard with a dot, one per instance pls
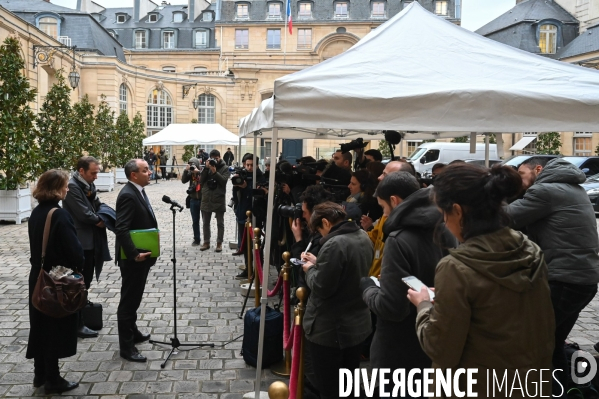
(209, 303)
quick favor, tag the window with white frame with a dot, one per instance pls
(273, 39)
(200, 70)
(201, 39)
(548, 39)
(123, 98)
(341, 10)
(241, 38)
(168, 39)
(159, 109)
(207, 17)
(152, 17)
(121, 19)
(304, 11)
(140, 39)
(178, 17)
(378, 9)
(583, 143)
(274, 10)
(413, 145)
(242, 11)
(49, 26)
(304, 39)
(441, 7)
(206, 108)
(171, 69)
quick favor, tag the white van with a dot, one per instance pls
(428, 154)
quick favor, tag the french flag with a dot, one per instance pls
(289, 22)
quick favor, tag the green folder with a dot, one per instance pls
(148, 240)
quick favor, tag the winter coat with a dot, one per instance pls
(559, 218)
(193, 179)
(492, 310)
(243, 196)
(410, 250)
(54, 338)
(213, 200)
(335, 314)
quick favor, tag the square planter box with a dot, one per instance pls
(105, 181)
(15, 205)
(120, 175)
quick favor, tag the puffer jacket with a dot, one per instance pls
(213, 199)
(559, 218)
(492, 311)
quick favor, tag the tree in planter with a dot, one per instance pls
(123, 133)
(549, 143)
(19, 150)
(107, 146)
(189, 152)
(55, 124)
(384, 148)
(138, 133)
(85, 140)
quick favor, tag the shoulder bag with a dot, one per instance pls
(57, 297)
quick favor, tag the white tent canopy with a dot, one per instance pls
(193, 133)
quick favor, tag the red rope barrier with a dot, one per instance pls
(295, 365)
(286, 311)
(288, 342)
(258, 267)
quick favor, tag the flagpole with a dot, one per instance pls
(287, 13)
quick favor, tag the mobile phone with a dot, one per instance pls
(296, 261)
(417, 285)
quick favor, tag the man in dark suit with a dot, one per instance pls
(82, 204)
(133, 212)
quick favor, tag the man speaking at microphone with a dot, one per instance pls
(133, 212)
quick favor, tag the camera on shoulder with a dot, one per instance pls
(241, 175)
(291, 211)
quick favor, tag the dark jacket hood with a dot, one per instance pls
(505, 256)
(416, 211)
(561, 171)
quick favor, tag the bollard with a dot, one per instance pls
(278, 390)
(283, 368)
(257, 290)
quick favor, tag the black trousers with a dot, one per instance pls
(46, 368)
(88, 267)
(568, 301)
(326, 362)
(132, 290)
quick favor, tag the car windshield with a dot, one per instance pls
(576, 161)
(593, 178)
(417, 153)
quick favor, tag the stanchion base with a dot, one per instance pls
(252, 395)
(243, 288)
(232, 244)
(281, 369)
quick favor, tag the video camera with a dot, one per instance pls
(242, 175)
(353, 145)
(290, 211)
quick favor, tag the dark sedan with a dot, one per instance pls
(592, 188)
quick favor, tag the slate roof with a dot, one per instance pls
(34, 6)
(587, 42)
(530, 10)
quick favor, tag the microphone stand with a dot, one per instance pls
(175, 343)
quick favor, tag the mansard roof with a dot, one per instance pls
(586, 42)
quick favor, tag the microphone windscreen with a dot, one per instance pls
(166, 198)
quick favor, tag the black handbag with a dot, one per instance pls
(92, 315)
(273, 337)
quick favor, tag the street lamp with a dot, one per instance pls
(41, 56)
(196, 103)
(74, 78)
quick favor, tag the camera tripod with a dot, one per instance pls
(175, 343)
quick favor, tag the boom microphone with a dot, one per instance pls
(168, 200)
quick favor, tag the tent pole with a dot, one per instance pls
(486, 150)
(266, 265)
(254, 172)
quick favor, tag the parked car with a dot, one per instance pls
(517, 160)
(428, 154)
(589, 165)
(591, 186)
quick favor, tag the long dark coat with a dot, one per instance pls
(50, 337)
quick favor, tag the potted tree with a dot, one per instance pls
(106, 147)
(129, 136)
(19, 150)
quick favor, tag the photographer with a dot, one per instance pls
(191, 174)
(213, 181)
(243, 195)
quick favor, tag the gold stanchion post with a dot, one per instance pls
(256, 277)
(278, 390)
(283, 368)
(300, 293)
(248, 240)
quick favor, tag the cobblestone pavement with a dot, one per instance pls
(209, 302)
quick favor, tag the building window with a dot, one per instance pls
(140, 39)
(582, 143)
(200, 70)
(168, 39)
(177, 17)
(412, 146)
(159, 109)
(441, 7)
(169, 69)
(378, 9)
(243, 11)
(121, 19)
(406, 3)
(201, 39)
(49, 26)
(305, 11)
(241, 38)
(152, 17)
(207, 17)
(548, 39)
(274, 10)
(341, 10)
(304, 39)
(123, 98)
(207, 108)
(273, 38)
(341, 30)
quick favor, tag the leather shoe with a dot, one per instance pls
(242, 276)
(133, 356)
(237, 253)
(205, 246)
(85, 332)
(38, 381)
(140, 337)
(60, 387)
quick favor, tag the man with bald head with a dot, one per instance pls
(396, 166)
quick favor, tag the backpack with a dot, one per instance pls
(273, 337)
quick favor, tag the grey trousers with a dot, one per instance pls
(220, 224)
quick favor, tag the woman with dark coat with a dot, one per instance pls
(51, 339)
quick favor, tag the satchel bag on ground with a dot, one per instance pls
(92, 315)
(57, 297)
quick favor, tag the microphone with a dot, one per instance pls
(168, 200)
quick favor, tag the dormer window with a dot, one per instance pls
(121, 18)
(243, 11)
(341, 10)
(48, 25)
(378, 9)
(304, 11)
(152, 17)
(441, 7)
(274, 11)
(548, 39)
(177, 17)
(207, 17)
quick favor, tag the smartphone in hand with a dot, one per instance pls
(415, 284)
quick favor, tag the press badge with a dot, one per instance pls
(377, 254)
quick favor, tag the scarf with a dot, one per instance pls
(88, 189)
